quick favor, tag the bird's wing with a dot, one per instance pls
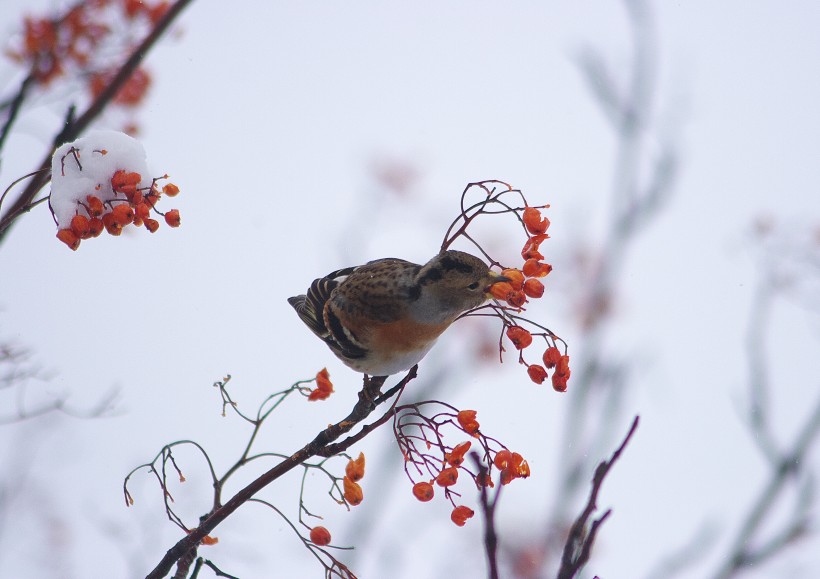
(311, 310)
(378, 290)
(310, 306)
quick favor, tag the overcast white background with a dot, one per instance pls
(269, 117)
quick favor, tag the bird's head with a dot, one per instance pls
(452, 283)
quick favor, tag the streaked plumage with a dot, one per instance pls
(383, 317)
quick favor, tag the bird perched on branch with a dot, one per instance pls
(383, 317)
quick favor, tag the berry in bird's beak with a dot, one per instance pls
(497, 278)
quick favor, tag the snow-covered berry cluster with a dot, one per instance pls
(100, 182)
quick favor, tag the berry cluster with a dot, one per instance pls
(448, 465)
(130, 205)
(78, 43)
(354, 472)
(522, 338)
(523, 284)
(352, 496)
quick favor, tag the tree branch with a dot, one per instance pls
(369, 397)
(579, 542)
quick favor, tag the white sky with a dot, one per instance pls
(269, 116)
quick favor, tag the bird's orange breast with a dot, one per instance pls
(404, 335)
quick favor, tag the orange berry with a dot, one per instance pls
(562, 367)
(142, 211)
(151, 225)
(122, 179)
(460, 515)
(551, 357)
(170, 189)
(520, 337)
(501, 289)
(123, 214)
(483, 479)
(561, 374)
(502, 458)
(318, 395)
(152, 198)
(515, 276)
(69, 238)
(353, 493)
(519, 466)
(208, 540)
(94, 206)
(95, 227)
(323, 380)
(447, 477)
(456, 456)
(355, 468)
(534, 268)
(537, 373)
(423, 491)
(112, 226)
(559, 382)
(79, 226)
(516, 298)
(534, 222)
(172, 218)
(467, 421)
(533, 288)
(320, 536)
(530, 250)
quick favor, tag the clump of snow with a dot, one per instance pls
(85, 167)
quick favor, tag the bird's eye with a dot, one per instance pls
(473, 286)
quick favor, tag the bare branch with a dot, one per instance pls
(488, 506)
(15, 104)
(790, 465)
(579, 542)
(369, 396)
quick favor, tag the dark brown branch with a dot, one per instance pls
(488, 511)
(75, 128)
(368, 398)
(578, 546)
(14, 108)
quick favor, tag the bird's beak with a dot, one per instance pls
(497, 277)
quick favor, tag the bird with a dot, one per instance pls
(383, 317)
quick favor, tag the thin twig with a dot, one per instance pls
(368, 398)
(578, 546)
(488, 506)
(14, 108)
(790, 465)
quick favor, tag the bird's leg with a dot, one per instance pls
(371, 388)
